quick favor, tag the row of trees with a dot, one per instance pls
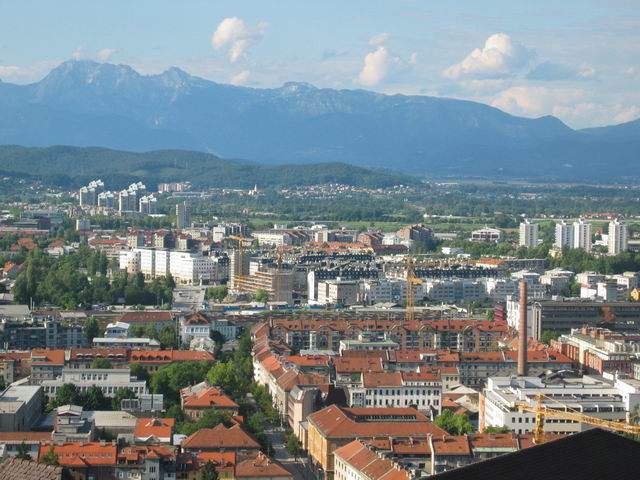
(80, 279)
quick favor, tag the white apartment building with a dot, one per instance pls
(528, 234)
(582, 235)
(338, 291)
(556, 280)
(486, 234)
(618, 237)
(187, 268)
(388, 290)
(107, 379)
(422, 390)
(591, 395)
(455, 290)
(564, 235)
(183, 215)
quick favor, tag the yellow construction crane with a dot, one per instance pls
(411, 281)
(541, 411)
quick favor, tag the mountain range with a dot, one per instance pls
(83, 103)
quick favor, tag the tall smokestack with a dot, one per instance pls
(522, 331)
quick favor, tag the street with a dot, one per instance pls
(299, 469)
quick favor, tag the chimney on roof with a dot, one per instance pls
(522, 331)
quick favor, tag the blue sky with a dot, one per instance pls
(578, 60)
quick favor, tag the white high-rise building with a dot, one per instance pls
(582, 235)
(564, 235)
(183, 215)
(528, 234)
(618, 237)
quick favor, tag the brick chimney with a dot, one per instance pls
(522, 331)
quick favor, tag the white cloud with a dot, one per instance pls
(379, 39)
(106, 54)
(626, 114)
(376, 67)
(11, 72)
(634, 72)
(241, 78)
(586, 71)
(534, 101)
(79, 54)
(413, 59)
(500, 57)
(233, 33)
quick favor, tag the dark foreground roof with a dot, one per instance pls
(16, 469)
(592, 455)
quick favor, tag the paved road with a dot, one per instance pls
(299, 469)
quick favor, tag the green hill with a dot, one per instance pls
(74, 166)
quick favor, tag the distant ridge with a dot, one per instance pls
(74, 166)
(84, 103)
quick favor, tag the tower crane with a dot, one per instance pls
(411, 281)
(542, 412)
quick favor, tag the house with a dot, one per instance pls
(146, 462)
(195, 404)
(153, 431)
(220, 438)
(84, 461)
(334, 427)
(356, 460)
(261, 467)
(10, 442)
(117, 330)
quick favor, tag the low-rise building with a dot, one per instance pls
(20, 408)
(421, 390)
(107, 380)
(593, 396)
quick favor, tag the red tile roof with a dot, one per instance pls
(338, 422)
(82, 455)
(219, 438)
(211, 397)
(154, 427)
(261, 466)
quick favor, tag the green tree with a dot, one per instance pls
(121, 394)
(92, 329)
(548, 335)
(94, 399)
(169, 379)
(168, 338)
(634, 415)
(454, 423)
(138, 371)
(67, 394)
(217, 293)
(101, 363)
(261, 296)
(496, 430)
(23, 452)
(208, 472)
(50, 458)
(293, 446)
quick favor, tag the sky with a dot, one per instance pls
(577, 60)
